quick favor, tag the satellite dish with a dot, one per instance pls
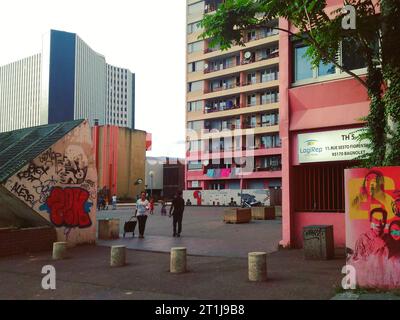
(205, 66)
(247, 55)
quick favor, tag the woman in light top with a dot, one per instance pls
(142, 211)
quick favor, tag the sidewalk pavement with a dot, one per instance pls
(87, 275)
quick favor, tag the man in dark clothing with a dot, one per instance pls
(178, 206)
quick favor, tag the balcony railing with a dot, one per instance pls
(210, 108)
(260, 36)
(217, 67)
(274, 77)
(253, 59)
(268, 168)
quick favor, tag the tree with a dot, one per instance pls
(375, 40)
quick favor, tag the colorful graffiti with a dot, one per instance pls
(373, 226)
(68, 207)
(226, 196)
(197, 196)
(38, 184)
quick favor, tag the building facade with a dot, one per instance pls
(232, 109)
(320, 110)
(120, 159)
(68, 80)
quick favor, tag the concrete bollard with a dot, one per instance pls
(257, 266)
(59, 250)
(178, 260)
(117, 258)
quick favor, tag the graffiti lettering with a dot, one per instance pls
(68, 207)
(33, 172)
(50, 157)
(22, 192)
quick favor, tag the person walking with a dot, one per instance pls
(114, 202)
(176, 210)
(163, 207)
(142, 209)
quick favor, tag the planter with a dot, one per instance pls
(237, 215)
(263, 213)
(373, 226)
(108, 229)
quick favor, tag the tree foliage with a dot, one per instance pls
(375, 40)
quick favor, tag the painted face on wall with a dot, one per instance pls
(396, 207)
(378, 223)
(371, 184)
(394, 230)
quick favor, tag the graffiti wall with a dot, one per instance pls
(373, 225)
(60, 185)
(225, 197)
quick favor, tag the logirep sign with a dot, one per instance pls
(311, 147)
(337, 145)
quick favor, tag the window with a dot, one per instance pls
(195, 106)
(196, 8)
(350, 60)
(251, 100)
(325, 69)
(302, 65)
(270, 74)
(195, 46)
(195, 86)
(195, 165)
(196, 125)
(251, 35)
(269, 96)
(196, 66)
(193, 27)
(270, 119)
(195, 145)
(270, 141)
(347, 56)
(251, 78)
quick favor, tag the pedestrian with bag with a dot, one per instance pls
(142, 211)
(176, 210)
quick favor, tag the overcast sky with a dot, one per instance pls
(148, 37)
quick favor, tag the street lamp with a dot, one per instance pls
(151, 174)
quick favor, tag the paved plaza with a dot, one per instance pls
(204, 233)
(86, 274)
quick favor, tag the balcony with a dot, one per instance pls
(270, 81)
(217, 67)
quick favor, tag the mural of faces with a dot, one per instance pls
(394, 231)
(373, 183)
(378, 218)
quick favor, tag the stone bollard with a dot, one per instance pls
(257, 266)
(59, 250)
(178, 260)
(117, 258)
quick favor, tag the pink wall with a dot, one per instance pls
(328, 105)
(302, 219)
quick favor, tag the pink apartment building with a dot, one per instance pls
(301, 121)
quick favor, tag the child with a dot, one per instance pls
(151, 206)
